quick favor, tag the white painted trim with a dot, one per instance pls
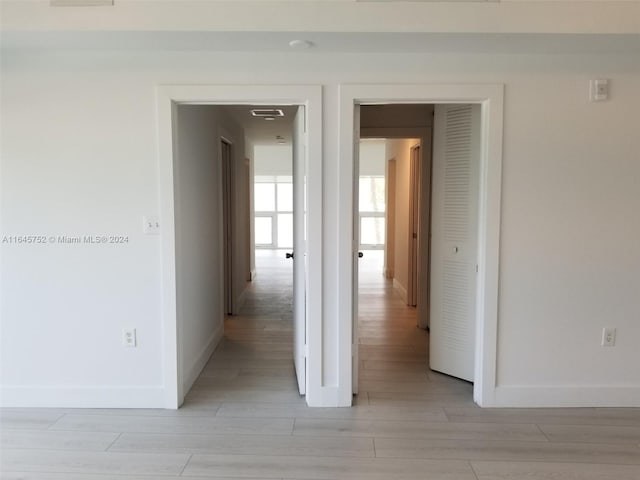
(541, 396)
(168, 96)
(242, 298)
(490, 96)
(253, 274)
(327, 396)
(65, 396)
(171, 352)
(401, 290)
(192, 372)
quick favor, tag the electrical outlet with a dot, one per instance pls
(608, 337)
(128, 337)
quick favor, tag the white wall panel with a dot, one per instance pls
(79, 156)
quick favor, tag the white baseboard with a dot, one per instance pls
(63, 396)
(401, 290)
(191, 374)
(242, 298)
(116, 396)
(573, 396)
(326, 397)
(253, 275)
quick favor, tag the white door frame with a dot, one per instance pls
(490, 97)
(167, 99)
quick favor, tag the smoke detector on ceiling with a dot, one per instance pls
(300, 44)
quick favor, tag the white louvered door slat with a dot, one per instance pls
(454, 230)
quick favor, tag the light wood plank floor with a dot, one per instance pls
(244, 418)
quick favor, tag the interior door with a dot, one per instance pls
(424, 234)
(299, 249)
(414, 221)
(454, 242)
(227, 205)
(355, 245)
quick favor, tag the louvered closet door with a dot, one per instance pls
(454, 242)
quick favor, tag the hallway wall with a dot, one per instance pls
(79, 156)
(273, 160)
(199, 240)
(400, 150)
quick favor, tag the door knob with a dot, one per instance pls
(360, 254)
(289, 255)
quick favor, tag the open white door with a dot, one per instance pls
(299, 249)
(454, 242)
(355, 244)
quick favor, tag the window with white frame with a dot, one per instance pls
(273, 205)
(372, 211)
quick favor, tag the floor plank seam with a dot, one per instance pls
(108, 449)
(473, 470)
(185, 465)
(543, 433)
(50, 426)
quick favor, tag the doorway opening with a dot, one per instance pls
(211, 244)
(446, 154)
(455, 275)
(207, 176)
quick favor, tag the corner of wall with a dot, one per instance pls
(401, 289)
(242, 298)
(191, 373)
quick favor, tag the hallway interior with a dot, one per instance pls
(245, 419)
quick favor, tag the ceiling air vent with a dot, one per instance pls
(267, 112)
(81, 3)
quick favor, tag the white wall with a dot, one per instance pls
(79, 155)
(243, 184)
(199, 247)
(273, 160)
(390, 233)
(63, 307)
(249, 152)
(372, 157)
(400, 150)
(199, 250)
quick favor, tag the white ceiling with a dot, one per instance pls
(497, 43)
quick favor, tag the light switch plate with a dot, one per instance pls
(599, 90)
(129, 337)
(608, 337)
(151, 225)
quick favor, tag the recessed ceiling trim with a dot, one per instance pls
(81, 3)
